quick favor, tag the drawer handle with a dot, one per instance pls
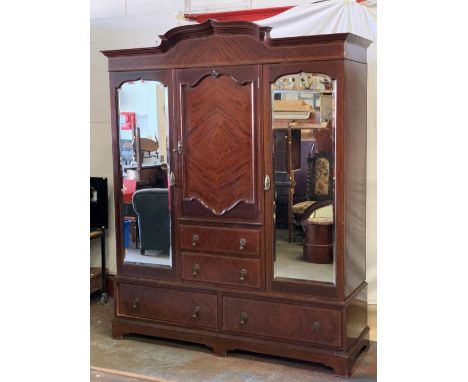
(242, 243)
(243, 319)
(243, 273)
(196, 312)
(316, 325)
(136, 303)
(195, 238)
(195, 269)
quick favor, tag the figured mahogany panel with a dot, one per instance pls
(220, 240)
(219, 154)
(279, 320)
(168, 305)
(221, 270)
(235, 43)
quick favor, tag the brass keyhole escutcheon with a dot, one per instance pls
(243, 273)
(243, 319)
(242, 243)
(195, 239)
(196, 312)
(136, 303)
(195, 269)
(267, 183)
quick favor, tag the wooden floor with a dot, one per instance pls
(108, 375)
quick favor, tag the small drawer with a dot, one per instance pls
(221, 270)
(168, 305)
(284, 321)
(223, 240)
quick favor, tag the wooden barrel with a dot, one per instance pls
(318, 241)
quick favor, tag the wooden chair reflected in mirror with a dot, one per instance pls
(147, 147)
(151, 172)
(319, 187)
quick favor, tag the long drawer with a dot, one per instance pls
(221, 270)
(168, 305)
(284, 321)
(223, 240)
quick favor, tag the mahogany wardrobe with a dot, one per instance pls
(251, 232)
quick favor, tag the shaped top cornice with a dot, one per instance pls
(212, 27)
(232, 43)
(209, 28)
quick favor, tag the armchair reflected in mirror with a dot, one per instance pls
(151, 207)
(144, 167)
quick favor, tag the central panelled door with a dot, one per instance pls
(219, 143)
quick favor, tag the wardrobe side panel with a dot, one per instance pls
(355, 110)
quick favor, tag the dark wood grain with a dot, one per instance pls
(341, 358)
(154, 176)
(116, 80)
(318, 243)
(221, 270)
(219, 165)
(355, 173)
(355, 318)
(235, 43)
(334, 70)
(218, 143)
(219, 78)
(341, 361)
(168, 305)
(220, 240)
(284, 321)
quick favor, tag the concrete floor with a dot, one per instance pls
(179, 361)
(290, 262)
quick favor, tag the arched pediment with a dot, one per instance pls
(211, 27)
(214, 43)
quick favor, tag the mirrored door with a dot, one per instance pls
(303, 133)
(145, 164)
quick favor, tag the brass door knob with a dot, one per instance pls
(316, 325)
(136, 303)
(243, 319)
(242, 243)
(195, 239)
(195, 269)
(243, 273)
(196, 312)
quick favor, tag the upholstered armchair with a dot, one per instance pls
(152, 208)
(319, 185)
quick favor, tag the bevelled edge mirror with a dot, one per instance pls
(143, 127)
(303, 130)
